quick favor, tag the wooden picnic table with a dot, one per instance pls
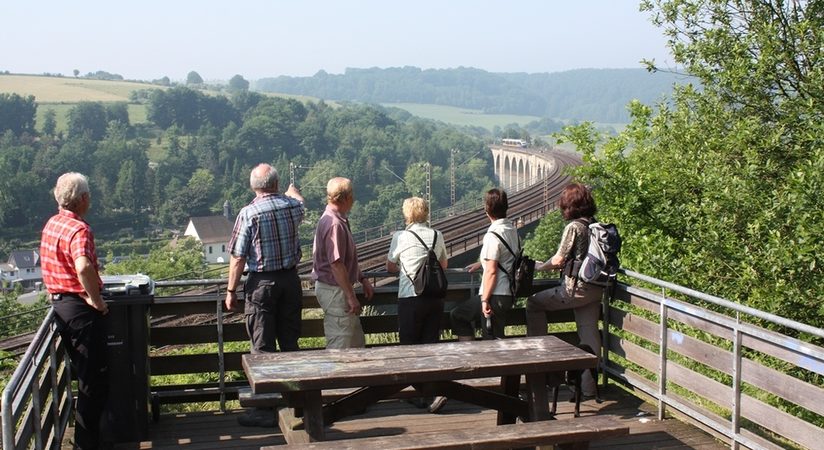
(434, 369)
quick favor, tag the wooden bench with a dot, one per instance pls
(568, 434)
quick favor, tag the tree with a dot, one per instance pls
(118, 112)
(49, 122)
(719, 188)
(88, 117)
(17, 113)
(182, 259)
(76, 72)
(238, 84)
(194, 78)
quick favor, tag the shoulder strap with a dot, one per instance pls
(500, 238)
(514, 256)
(424, 246)
(421, 240)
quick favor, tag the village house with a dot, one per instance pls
(213, 232)
(23, 267)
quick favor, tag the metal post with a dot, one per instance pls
(736, 384)
(55, 409)
(37, 419)
(662, 359)
(604, 356)
(220, 357)
(428, 168)
(452, 177)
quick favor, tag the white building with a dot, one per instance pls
(23, 267)
(213, 232)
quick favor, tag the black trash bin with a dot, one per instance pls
(126, 418)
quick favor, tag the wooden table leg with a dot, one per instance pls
(313, 415)
(509, 386)
(538, 399)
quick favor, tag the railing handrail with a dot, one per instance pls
(737, 307)
(810, 358)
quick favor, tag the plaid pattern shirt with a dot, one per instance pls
(65, 238)
(266, 233)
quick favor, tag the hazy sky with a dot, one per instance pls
(148, 39)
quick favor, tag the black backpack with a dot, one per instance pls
(430, 279)
(523, 270)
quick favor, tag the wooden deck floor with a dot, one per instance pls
(220, 430)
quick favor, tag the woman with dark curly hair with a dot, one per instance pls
(578, 207)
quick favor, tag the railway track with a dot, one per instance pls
(464, 232)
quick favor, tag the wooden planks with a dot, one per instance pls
(582, 429)
(331, 369)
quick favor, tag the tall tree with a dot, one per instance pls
(49, 122)
(88, 118)
(719, 189)
(17, 113)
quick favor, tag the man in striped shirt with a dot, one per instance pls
(70, 273)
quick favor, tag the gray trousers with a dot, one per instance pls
(585, 302)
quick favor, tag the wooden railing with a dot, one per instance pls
(214, 326)
(698, 356)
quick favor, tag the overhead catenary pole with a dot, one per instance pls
(452, 177)
(428, 168)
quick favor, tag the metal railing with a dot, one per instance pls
(730, 389)
(29, 419)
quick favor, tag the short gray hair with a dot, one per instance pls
(69, 189)
(264, 177)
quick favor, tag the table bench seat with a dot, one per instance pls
(570, 434)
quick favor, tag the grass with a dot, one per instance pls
(462, 116)
(62, 93)
(70, 90)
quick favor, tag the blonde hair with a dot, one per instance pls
(69, 189)
(338, 189)
(415, 210)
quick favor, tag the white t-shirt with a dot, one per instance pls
(494, 250)
(407, 252)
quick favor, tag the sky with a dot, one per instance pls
(149, 39)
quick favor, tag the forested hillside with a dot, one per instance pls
(599, 95)
(209, 143)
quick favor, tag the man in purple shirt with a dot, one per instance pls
(335, 269)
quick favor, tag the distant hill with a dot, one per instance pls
(599, 95)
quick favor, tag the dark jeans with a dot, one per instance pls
(84, 337)
(467, 316)
(419, 320)
(273, 307)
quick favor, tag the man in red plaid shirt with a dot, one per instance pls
(70, 273)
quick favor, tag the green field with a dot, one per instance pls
(61, 94)
(462, 116)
